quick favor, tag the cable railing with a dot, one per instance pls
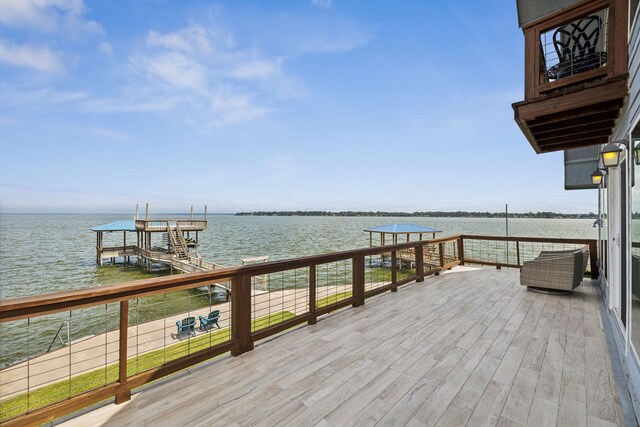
(152, 328)
(57, 335)
(511, 252)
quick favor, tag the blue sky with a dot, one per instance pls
(322, 104)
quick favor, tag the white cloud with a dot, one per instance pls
(191, 39)
(259, 69)
(205, 77)
(47, 15)
(173, 68)
(105, 47)
(40, 14)
(324, 4)
(102, 134)
(336, 41)
(36, 58)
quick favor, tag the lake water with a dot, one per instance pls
(48, 253)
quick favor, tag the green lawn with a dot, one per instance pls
(383, 274)
(325, 301)
(93, 379)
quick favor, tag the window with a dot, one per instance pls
(633, 8)
(635, 242)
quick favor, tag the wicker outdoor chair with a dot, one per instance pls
(585, 255)
(559, 274)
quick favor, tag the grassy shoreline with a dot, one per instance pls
(87, 381)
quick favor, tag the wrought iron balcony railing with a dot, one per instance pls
(576, 72)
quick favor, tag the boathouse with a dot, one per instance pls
(173, 242)
(393, 234)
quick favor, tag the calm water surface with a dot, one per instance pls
(48, 253)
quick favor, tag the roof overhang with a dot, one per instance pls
(531, 10)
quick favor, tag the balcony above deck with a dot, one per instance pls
(575, 75)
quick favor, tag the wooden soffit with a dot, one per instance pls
(578, 117)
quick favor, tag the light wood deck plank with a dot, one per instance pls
(465, 348)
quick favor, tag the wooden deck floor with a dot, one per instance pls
(467, 347)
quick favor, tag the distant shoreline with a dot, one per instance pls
(426, 214)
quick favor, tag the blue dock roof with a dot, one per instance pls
(122, 225)
(403, 229)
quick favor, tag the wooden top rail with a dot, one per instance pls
(529, 239)
(24, 307)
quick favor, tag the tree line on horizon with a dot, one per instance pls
(425, 214)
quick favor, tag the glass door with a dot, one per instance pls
(622, 244)
(634, 216)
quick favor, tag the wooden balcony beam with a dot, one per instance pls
(588, 114)
(576, 136)
(575, 144)
(609, 91)
(585, 139)
(603, 120)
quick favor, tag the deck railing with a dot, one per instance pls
(138, 340)
(511, 252)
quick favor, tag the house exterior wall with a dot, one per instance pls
(618, 199)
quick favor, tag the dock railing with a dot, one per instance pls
(133, 348)
(161, 224)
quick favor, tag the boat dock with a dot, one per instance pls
(393, 233)
(173, 242)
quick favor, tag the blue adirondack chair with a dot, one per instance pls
(187, 325)
(211, 319)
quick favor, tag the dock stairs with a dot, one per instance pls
(178, 244)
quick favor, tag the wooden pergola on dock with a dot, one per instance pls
(388, 234)
(169, 241)
(392, 234)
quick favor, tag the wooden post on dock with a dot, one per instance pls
(99, 247)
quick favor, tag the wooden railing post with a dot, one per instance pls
(313, 318)
(125, 395)
(441, 249)
(461, 250)
(593, 259)
(419, 263)
(241, 314)
(518, 252)
(394, 271)
(531, 59)
(357, 266)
